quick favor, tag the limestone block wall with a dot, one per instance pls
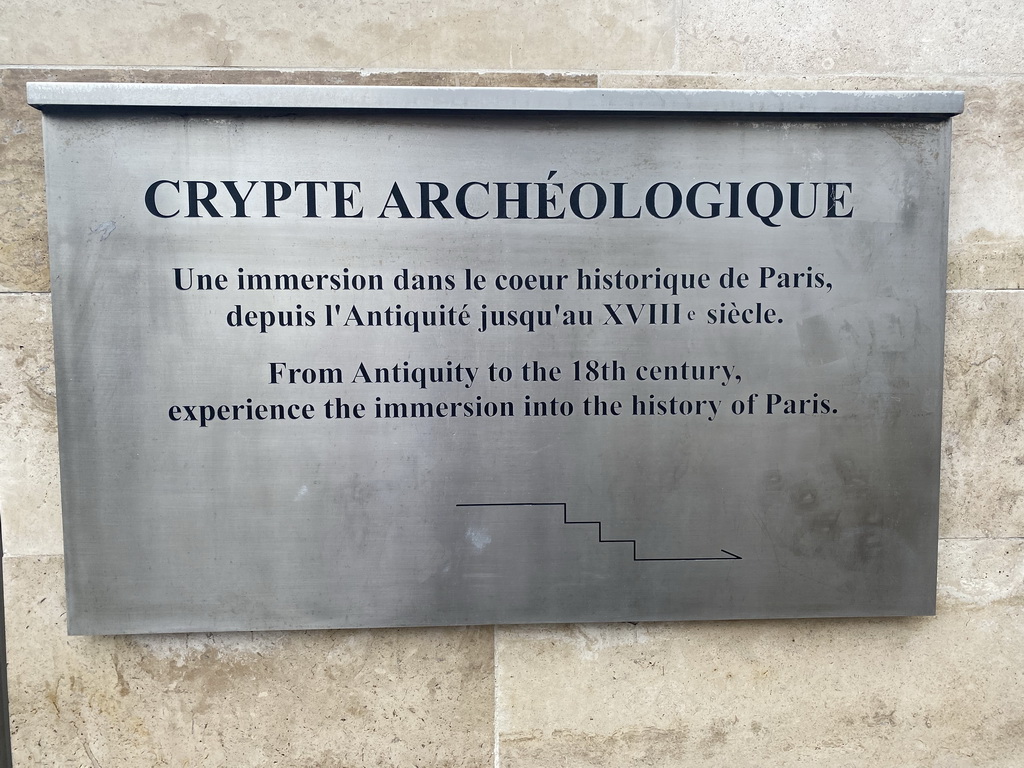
(943, 691)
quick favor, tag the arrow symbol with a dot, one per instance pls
(726, 554)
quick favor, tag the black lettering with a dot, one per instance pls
(151, 199)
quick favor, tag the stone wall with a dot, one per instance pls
(943, 691)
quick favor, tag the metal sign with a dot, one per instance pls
(348, 357)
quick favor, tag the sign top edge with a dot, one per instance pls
(352, 97)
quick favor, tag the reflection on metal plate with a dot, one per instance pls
(356, 364)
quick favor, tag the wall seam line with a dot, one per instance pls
(496, 746)
(981, 538)
(985, 290)
(677, 36)
(803, 74)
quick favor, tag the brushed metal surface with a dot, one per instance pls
(181, 515)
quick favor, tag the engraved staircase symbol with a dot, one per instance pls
(726, 554)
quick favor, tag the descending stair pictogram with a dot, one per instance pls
(726, 554)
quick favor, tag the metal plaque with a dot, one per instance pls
(350, 357)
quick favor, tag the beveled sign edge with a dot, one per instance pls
(930, 104)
